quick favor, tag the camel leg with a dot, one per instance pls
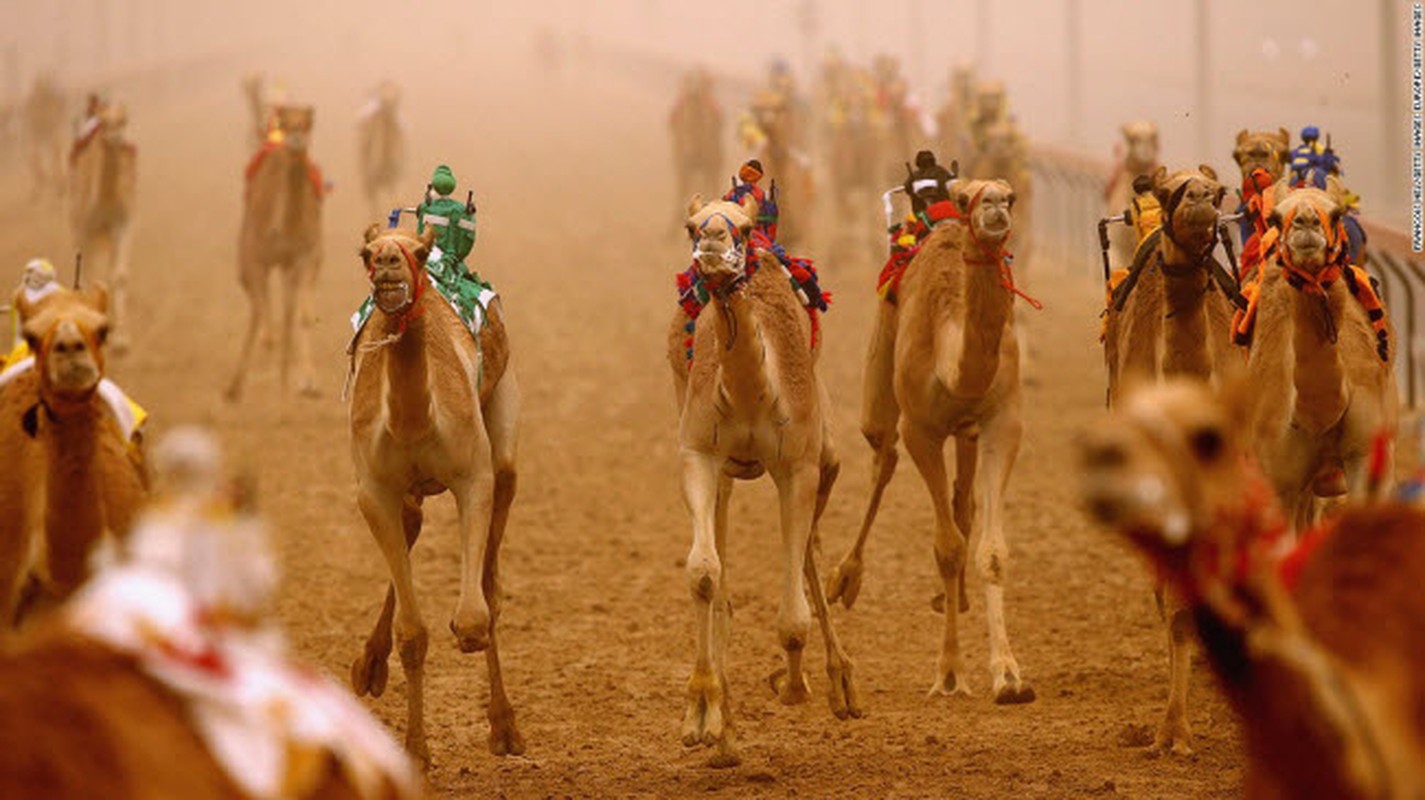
(382, 508)
(879, 416)
(927, 451)
(1173, 734)
(501, 421)
(999, 445)
(842, 696)
(254, 284)
(122, 238)
(475, 505)
(708, 720)
(797, 489)
(368, 671)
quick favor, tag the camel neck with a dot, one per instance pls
(407, 389)
(74, 506)
(110, 154)
(741, 349)
(988, 312)
(1318, 374)
(1185, 334)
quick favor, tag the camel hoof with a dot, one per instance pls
(505, 738)
(1011, 695)
(949, 686)
(845, 583)
(703, 724)
(725, 757)
(309, 390)
(475, 639)
(789, 692)
(1174, 740)
(369, 673)
(845, 703)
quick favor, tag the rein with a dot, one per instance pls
(1316, 284)
(995, 255)
(726, 289)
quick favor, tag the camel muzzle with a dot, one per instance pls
(392, 297)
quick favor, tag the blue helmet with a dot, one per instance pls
(1310, 133)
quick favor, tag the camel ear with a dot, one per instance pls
(750, 207)
(373, 231)
(1275, 219)
(961, 196)
(1284, 137)
(1125, 130)
(1208, 171)
(97, 297)
(1236, 395)
(695, 204)
(1242, 137)
(422, 251)
(32, 335)
(1159, 184)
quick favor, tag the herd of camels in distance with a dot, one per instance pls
(1250, 457)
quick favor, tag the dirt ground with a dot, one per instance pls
(576, 232)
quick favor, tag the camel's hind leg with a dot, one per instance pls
(296, 349)
(501, 423)
(382, 507)
(999, 445)
(122, 338)
(254, 284)
(879, 416)
(927, 451)
(368, 671)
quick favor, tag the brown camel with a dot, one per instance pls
(1175, 321)
(103, 176)
(775, 115)
(1324, 381)
(74, 474)
(1140, 157)
(750, 402)
(696, 128)
(163, 677)
(1263, 149)
(852, 157)
(954, 372)
(43, 116)
(1004, 156)
(432, 410)
(282, 232)
(381, 146)
(1320, 651)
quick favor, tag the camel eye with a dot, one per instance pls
(1206, 444)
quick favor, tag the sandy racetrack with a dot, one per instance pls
(575, 217)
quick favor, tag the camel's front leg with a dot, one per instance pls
(474, 501)
(368, 671)
(927, 451)
(708, 720)
(797, 489)
(1174, 735)
(381, 506)
(842, 695)
(254, 284)
(999, 445)
(297, 322)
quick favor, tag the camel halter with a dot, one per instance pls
(412, 307)
(996, 255)
(1316, 284)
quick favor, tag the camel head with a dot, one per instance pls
(986, 205)
(295, 123)
(1310, 225)
(1001, 143)
(1262, 149)
(1167, 470)
(389, 94)
(990, 101)
(395, 265)
(66, 331)
(1191, 201)
(1140, 141)
(719, 231)
(113, 118)
(962, 81)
